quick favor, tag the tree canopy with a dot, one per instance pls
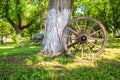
(31, 14)
(107, 11)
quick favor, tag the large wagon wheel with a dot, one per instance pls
(84, 37)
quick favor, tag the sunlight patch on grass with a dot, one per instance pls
(6, 47)
(39, 57)
(49, 65)
(110, 53)
(60, 63)
(32, 47)
(5, 53)
(28, 62)
(80, 63)
(39, 60)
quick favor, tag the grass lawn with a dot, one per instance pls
(23, 63)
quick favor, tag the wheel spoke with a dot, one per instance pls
(68, 36)
(91, 28)
(95, 45)
(95, 32)
(98, 39)
(85, 26)
(78, 46)
(73, 30)
(89, 49)
(72, 44)
(82, 50)
(78, 29)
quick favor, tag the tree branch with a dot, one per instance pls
(11, 22)
(18, 13)
(27, 25)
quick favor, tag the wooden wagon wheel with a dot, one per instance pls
(84, 37)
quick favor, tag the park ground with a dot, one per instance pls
(24, 63)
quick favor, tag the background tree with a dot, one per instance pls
(114, 15)
(20, 13)
(107, 11)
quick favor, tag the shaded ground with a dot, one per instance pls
(28, 65)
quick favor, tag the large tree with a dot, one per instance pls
(59, 13)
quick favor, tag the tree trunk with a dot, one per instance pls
(1, 39)
(59, 14)
(18, 33)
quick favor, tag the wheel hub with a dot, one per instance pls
(83, 38)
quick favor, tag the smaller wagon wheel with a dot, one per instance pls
(84, 37)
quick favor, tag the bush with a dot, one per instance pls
(15, 38)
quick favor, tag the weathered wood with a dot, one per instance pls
(59, 13)
(86, 40)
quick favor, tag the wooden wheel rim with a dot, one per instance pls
(85, 18)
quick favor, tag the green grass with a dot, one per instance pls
(12, 48)
(25, 63)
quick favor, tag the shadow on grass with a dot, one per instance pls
(7, 43)
(23, 67)
(114, 40)
(104, 70)
(113, 43)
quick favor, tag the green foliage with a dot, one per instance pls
(5, 28)
(15, 38)
(107, 11)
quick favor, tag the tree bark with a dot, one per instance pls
(1, 39)
(59, 13)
